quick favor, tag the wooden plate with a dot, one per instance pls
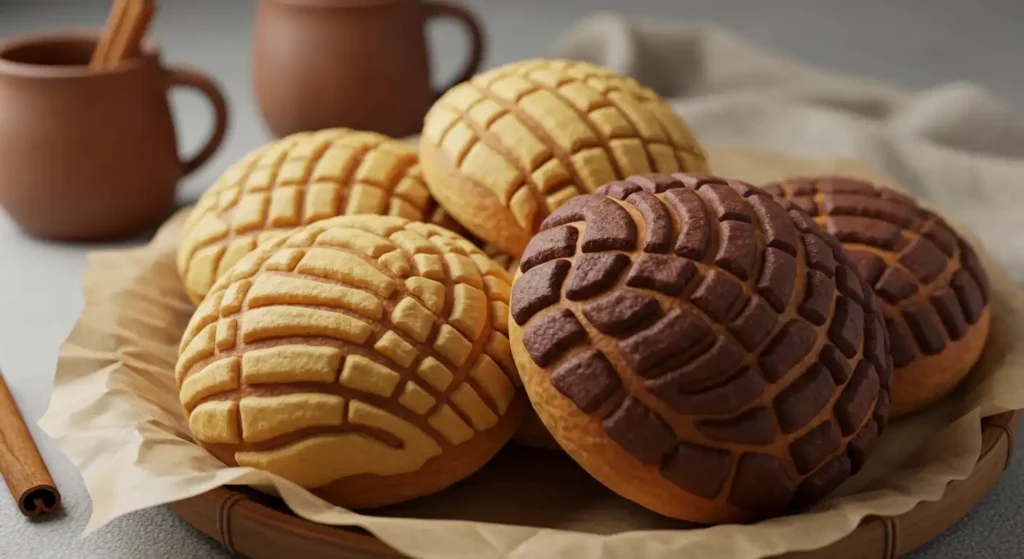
(258, 526)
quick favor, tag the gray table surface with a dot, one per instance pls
(912, 43)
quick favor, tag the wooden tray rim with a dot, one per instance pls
(223, 513)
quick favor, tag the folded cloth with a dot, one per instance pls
(957, 145)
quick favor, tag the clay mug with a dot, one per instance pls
(355, 63)
(91, 154)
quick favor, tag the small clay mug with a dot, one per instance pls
(355, 63)
(90, 154)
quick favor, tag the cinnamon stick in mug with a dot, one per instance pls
(126, 26)
(116, 20)
(20, 463)
(126, 44)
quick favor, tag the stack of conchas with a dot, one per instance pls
(709, 349)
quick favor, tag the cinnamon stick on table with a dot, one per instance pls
(20, 463)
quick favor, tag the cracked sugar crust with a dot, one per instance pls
(929, 282)
(508, 147)
(300, 179)
(357, 345)
(700, 349)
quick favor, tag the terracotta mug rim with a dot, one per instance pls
(150, 51)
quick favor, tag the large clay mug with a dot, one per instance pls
(91, 154)
(353, 63)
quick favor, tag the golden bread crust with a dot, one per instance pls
(930, 378)
(365, 357)
(296, 180)
(536, 133)
(474, 204)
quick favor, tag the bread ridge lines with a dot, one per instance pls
(400, 292)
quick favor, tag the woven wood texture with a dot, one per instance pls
(253, 529)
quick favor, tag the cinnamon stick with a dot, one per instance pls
(140, 13)
(123, 34)
(20, 463)
(115, 21)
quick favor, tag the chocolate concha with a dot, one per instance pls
(698, 349)
(300, 179)
(930, 285)
(362, 357)
(505, 149)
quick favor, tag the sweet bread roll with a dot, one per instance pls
(931, 287)
(299, 179)
(698, 349)
(505, 149)
(362, 357)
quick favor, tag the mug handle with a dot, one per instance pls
(195, 80)
(476, 37)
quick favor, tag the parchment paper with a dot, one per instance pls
(115, 413)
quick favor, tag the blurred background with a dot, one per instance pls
(909, 43)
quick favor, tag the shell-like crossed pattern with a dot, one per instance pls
(931, 284)
(538, 132)
(297, 180)
(359, 344)
(723, 342)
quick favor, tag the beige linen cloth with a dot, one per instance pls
(956, 145)
(114, 409)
